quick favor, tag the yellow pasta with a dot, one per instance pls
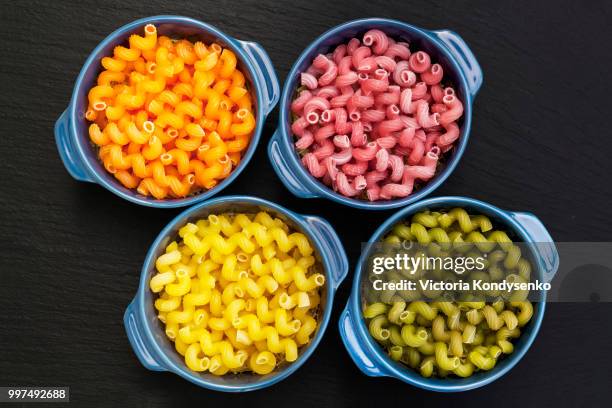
(170, 117)
(238, 292)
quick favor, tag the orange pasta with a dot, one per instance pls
(170, 117)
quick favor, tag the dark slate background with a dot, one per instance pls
(71, 252)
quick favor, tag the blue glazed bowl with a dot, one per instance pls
(372, 359)
(71, 129)
(445, 47)
(146, 333)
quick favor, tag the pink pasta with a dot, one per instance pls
(373, 119)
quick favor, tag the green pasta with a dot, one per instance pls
(493, 320)
(412, 336)
(517, 295)
(481, 360)
(407, 317)
(466, 223)
(448, 308)
(464, 369)
(377, 329)
(480, 241)
(501, 238)
(392, 239)
(524, 269)
(427, 367)
(450, 334)
(498, 305)
(374, 310)
(395, 336)
(454, 321)
(427, 348)
(495, 351)
(469, 333)
(442, 358)
(525, 312)
(420, 233)
(455, 344)
(426, 220)
(509, 319)
(438, 329)
(395, 311)
(423, 309)
(478, 338)
(412, 357)
(506, 346)
(396, 352)
(402, 232)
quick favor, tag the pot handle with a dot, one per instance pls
(283, 170)
(332, 246)
(67, 150)
(544, 243)
(264, 69)
(464, 56)
(354, 346)
(133, 329)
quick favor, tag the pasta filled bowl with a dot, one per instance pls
(452, 337)
(375, 114)
(167, 111)
(235, 293)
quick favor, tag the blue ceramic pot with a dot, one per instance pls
(372, 359)
(146, 333)
(71, 129)
(445, 47)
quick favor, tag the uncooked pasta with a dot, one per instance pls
(373, 118)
